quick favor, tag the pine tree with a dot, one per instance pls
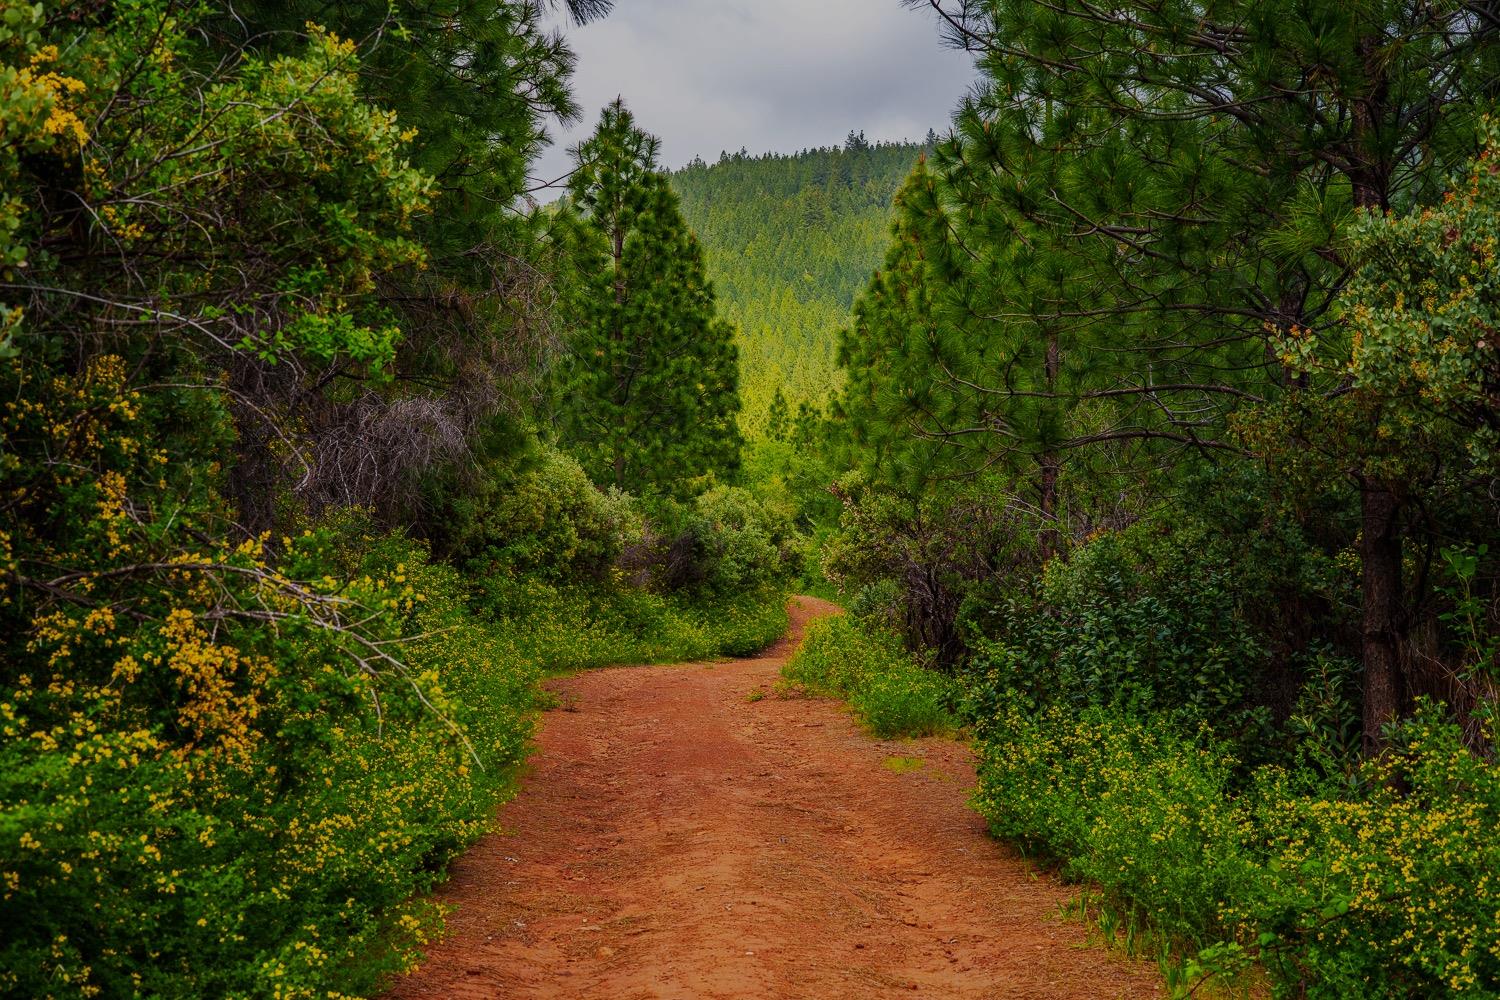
(778, 418)
(1193, 178)
(647, 392)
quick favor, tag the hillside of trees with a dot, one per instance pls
(790, 240)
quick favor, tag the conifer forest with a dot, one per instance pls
(1054, 552)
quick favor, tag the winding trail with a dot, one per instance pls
(676, 839)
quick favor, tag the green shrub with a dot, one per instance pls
(891, 694)
(722, 542)
(912, 562)
(1137, 619)
(279, 832)
(746, 543)
(547, 521)
(1394, 891)
(1146, 814)
(1166, 616)
(1390, 890)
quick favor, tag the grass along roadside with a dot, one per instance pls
(565, 630)
(890, 693)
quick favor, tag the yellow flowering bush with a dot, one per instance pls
(1395, 891)
(1388, 890)
(226, 768)
(210, 786)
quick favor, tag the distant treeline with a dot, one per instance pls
(791, 239)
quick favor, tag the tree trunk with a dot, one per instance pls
(1380, 506)
(1049, 536)
(1380, 553)
(617, 335)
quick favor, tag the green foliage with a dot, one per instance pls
(721, 542)
(278, 818)
(793, 475)
(158, 183)
(790, 238)
(473, 314)
(646, 392)
(1424, 309)
(891, 352)
(1417, 349)
(1216, 615)
(890, 693)
(1138, 808)
(235, 762)
(745, 543)
(913, 561)
(39, 111)
(207, 812)
(1469, 614)
(548, 521)
(579, 627)
(778, 418)
(1386, 892)
(1140, 620)
(1092, 283)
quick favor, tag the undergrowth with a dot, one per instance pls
(561, 629)
(890, 693)
(296, 861)
(1389, 890)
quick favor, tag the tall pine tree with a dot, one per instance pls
(647, 391)
(1192, 170)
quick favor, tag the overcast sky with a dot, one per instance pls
(768, 75)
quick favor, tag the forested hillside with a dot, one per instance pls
(790, 239)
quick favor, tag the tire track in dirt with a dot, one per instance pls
(675, 839)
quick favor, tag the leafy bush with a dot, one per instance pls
(746, 542)
(912, 562)
(1198, 617)
(547, 521)
(229, 809)
(1132, 806)
(890, 693)
(724, 541)
(1389, 890)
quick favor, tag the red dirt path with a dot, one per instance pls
(677, 840)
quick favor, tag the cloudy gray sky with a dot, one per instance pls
(768, 75)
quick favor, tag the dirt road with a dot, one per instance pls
(677, 839)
